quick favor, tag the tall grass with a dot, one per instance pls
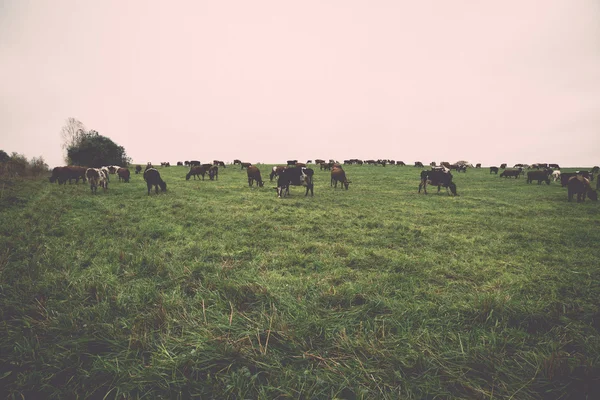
(218, 290)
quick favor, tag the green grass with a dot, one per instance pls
(218, 290)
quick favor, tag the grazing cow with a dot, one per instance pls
(96, 177)
(319, 161)
(276, 171)
(516, 172)
(213, 173)
(106, 172)
(327, 166)
(300, 165)
(539, 176)
(503, 166)
(138, 169)
(296, 177)
(112, 169)
(236, 162)
(439, 178)
(186, 163)
(478, 165)
(494, 170)
(309, 161)
(194, 163)
(152, 178)
(254, 175)
(580, 186)
(64, 174)
(219, 163)
(555, 175)
(565, 176)
(245, 165)
(123, 174)
(433, 164)
(418, 164)
(179, 164)
(555, 166)
(401, 163)
(195, 171)
(291, 162)
(458, 167)
(339, 175)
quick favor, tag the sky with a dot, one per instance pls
(515, 81)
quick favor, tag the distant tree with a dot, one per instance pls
(37, 166)
(95, 150)
(71, 133)
(4, 157)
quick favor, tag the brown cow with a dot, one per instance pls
(123, 174)
(254, 175)
(580, 186)
(339, 175)
(64, 174)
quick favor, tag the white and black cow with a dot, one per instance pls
(97, 177)
(437, 177)
(297, 177)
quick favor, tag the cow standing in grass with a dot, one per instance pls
(580, 186)
(152, 178)
(97, 177)
(339, 175)
(254, 175)
(437, 177)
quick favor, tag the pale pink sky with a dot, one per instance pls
(266, 81)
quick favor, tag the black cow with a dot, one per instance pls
(478, 165)
(219, 163)
(494, 170)
(296, 177)
(291, 162)
(439, 178)
(503, 166)
(418, 164)
(539, 176)
(401, 163)
(138, 169)
(152, 178)
(196, 171)
(213, 173)
(179, 164)
(245, 165)
(194, 163)
(516, 172)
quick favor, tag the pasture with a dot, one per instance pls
(217, 290)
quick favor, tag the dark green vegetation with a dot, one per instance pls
(224, 291)
(94, 150)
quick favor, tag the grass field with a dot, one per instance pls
(218, 290)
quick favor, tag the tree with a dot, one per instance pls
(72, 132)
(94, 150)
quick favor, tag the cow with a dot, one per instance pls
(554, 166)
(291, 162)
(565, 176)
(254, 175)
(326, 166)
(96, 177)
(478, 165)
(152, 178)
(245, 165)
(503, 166)
(138, 169)
(439, 178)
(458, 167)
(339, 175)
(539, 176)
(148, 166)
(401, 163)
(309, 161)
(494, 170)
(516, 172)
(186, 163)
(213, 173)
(123, 174)
(580, 186)
(112, 169)
(194, 163)
(433, 164)
(300, 165)
(555, 175)
(179, 164)
(195, 171)
(276, 171)
(64, 174)
(296, 177)
(106, 172)
(319, 161)
(236, 162)
(219, 163)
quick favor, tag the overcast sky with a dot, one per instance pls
(267, 81)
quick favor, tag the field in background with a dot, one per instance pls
(224, 291)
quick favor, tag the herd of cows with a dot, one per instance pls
(298, 174)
